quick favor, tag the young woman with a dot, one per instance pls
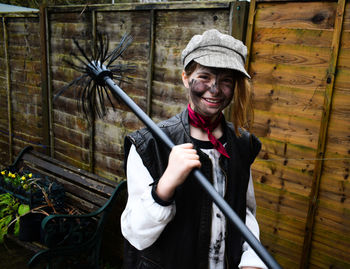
(169, 221)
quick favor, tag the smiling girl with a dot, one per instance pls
(169, 222)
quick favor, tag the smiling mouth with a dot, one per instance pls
(212, 101)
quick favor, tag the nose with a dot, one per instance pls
(214, 88)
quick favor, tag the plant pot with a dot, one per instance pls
(30, 226)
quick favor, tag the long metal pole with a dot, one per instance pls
(219, 200)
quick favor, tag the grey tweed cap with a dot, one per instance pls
(214, 49)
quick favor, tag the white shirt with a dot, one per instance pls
(143, 219)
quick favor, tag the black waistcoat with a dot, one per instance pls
(184, 243)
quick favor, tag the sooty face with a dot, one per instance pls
(211, 90)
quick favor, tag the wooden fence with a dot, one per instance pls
(299, 62)
(160, 32)
(20, 83)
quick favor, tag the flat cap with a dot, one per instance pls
(214, 49)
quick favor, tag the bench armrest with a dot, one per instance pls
(15, 165)
(63, 230)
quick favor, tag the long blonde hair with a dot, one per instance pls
(241, 112)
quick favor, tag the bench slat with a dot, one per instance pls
(76, 170)
(59, 172)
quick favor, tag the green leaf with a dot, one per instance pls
(16, 229)
(6, 198)
(5, 221)
(3, 231)
(23, 209)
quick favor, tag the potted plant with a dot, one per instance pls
(39, 195)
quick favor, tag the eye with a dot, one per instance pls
(228, 81)
(205, 77)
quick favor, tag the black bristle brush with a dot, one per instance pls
(91, 87)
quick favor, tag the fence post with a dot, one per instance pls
(92, 126)
(238, 19)
(45, 89)
(8, 89)
(237, 28)
(322, 138)
(150, 62)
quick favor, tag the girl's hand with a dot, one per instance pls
(182, 159)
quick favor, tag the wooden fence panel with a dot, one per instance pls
(160, 33)
(21, 115)
(290, 58)
(25, 64)
(69, 127)
(284, 85)
(110, 132)
(331, 235)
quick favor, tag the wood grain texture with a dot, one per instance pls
(289, 60)
(330, 246)
(296, 15)
(25, 77)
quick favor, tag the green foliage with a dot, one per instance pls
(10, 211)
(22, 180)
(23, 209)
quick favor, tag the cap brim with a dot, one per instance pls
(221, 61)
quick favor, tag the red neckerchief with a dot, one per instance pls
(199, 121)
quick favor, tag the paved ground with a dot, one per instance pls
(13, 256)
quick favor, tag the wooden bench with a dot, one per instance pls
(74, 241)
